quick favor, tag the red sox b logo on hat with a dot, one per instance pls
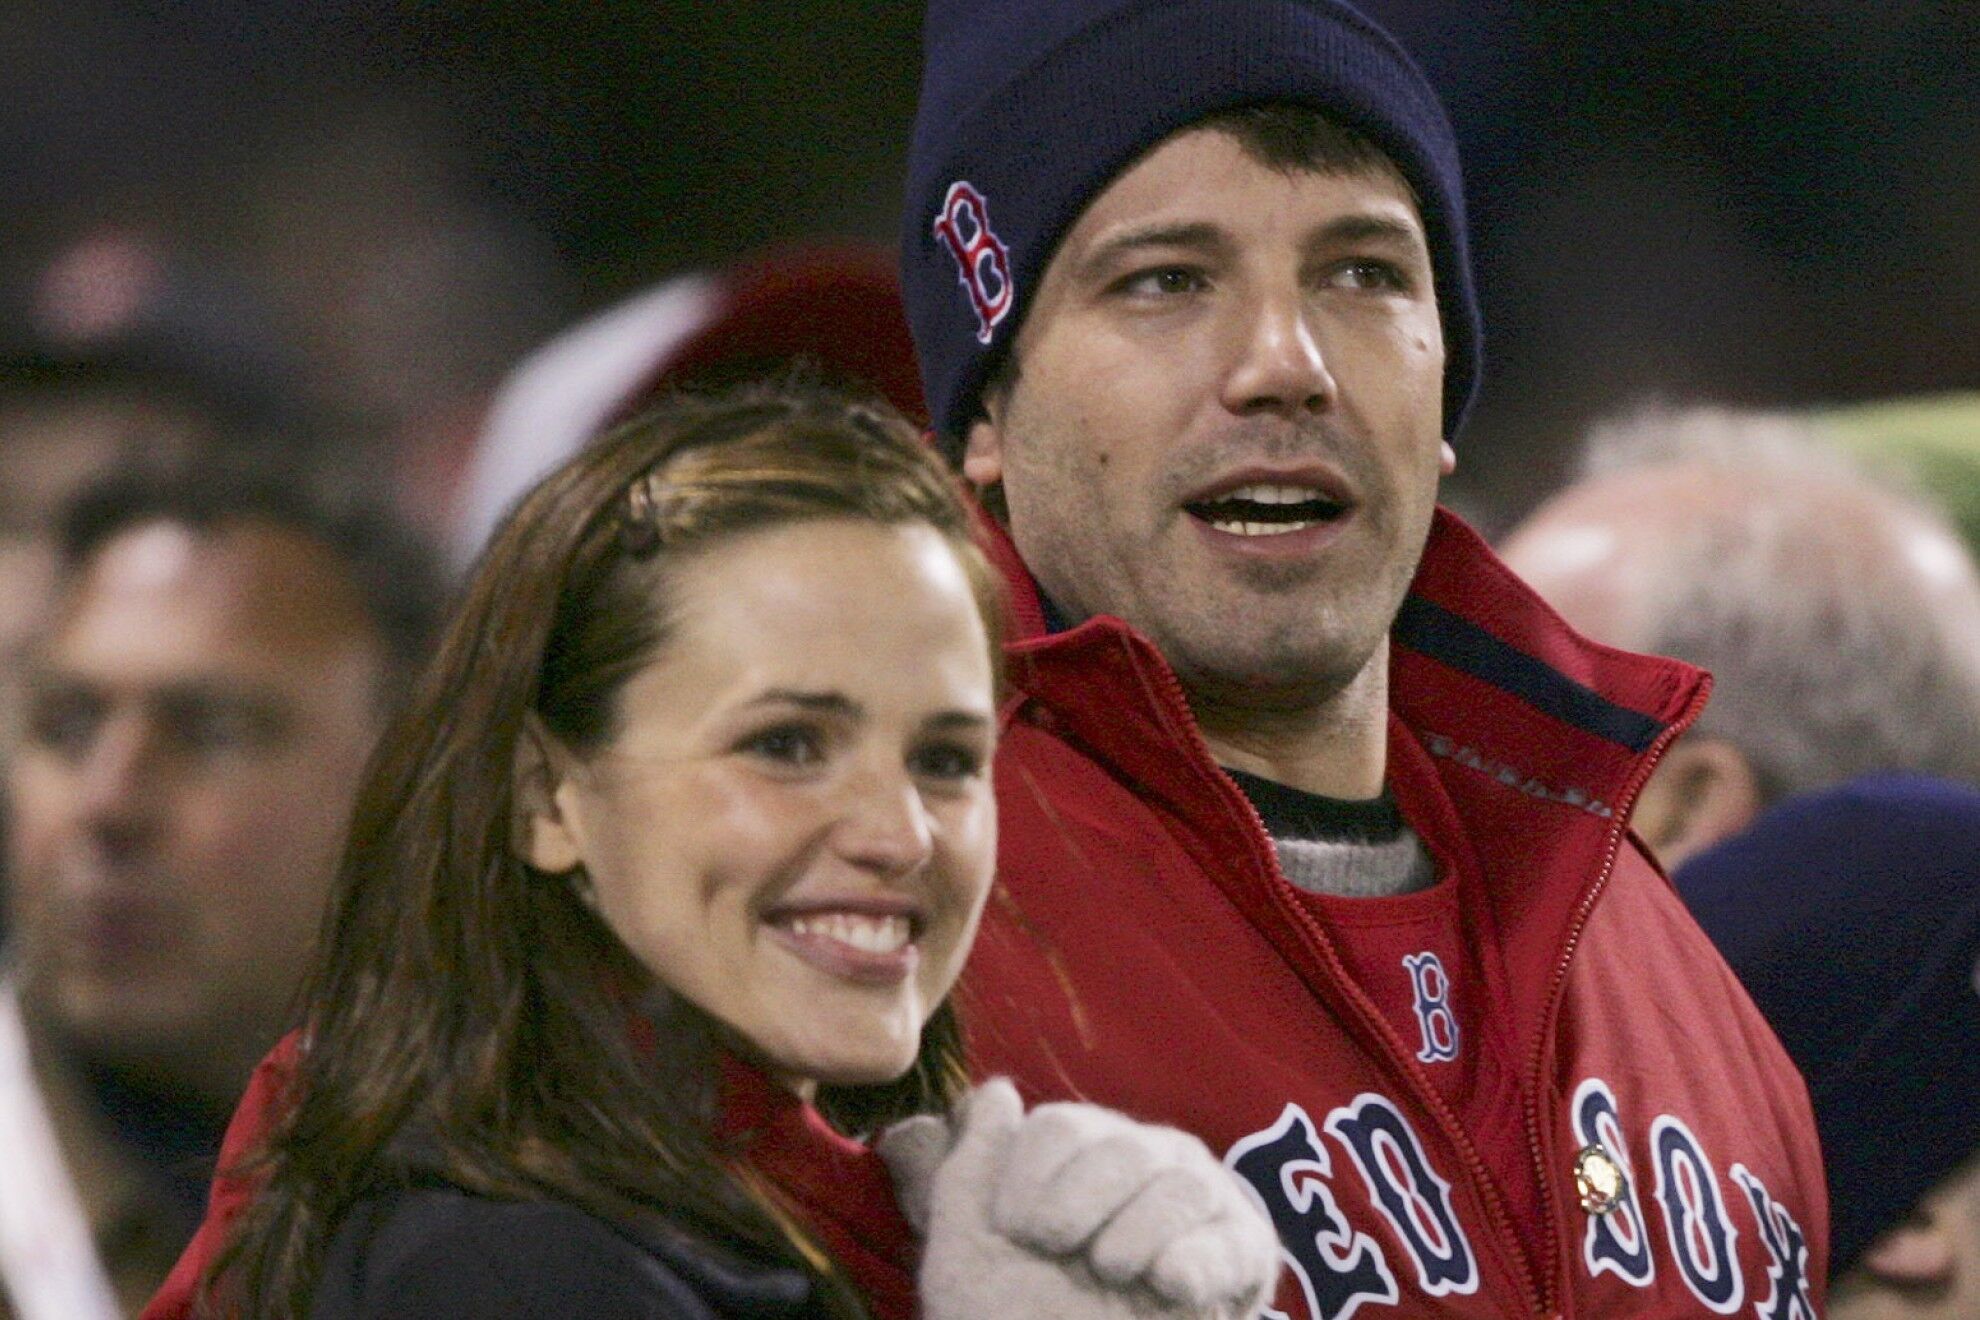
(983, 263)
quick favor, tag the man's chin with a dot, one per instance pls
(1264, 678)
(137, 1024)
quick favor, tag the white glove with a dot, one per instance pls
(1075, 1211)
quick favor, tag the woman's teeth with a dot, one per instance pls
(862, 932)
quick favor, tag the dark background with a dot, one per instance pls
(1770, 203)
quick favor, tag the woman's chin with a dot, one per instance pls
(848, 1063)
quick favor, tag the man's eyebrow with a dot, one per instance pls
(1200, 234)
(1362, 227)
(194, 693)
(1203, 235)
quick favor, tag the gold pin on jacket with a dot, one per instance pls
(1598, 1180)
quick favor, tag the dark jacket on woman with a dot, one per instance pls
(434, 1250)
(431, 1248)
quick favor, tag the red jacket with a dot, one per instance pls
(1145, 952)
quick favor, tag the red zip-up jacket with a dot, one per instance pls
(1145, 952)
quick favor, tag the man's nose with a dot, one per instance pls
(1278, 367)
(886, 826)
(119, 779)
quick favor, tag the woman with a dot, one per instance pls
(656, 888)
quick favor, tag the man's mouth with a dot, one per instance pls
(1262, 509)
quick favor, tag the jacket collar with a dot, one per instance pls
(1470, 638)
(1516, 744)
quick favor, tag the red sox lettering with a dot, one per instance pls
(1618, 1242)
(1341, 1263)
(1336, 1267)
(1787, 1275)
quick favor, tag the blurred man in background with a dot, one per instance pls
(1853, 917)
(1839, 618)
(221, 647)
(118, 352)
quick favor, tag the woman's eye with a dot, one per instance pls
(945, 762)
(786, 745)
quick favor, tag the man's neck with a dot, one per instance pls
(1336, 747)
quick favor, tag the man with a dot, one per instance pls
(1853, 915)
(123, 353)
(1831, 611)
(221, 649)
(1314, 817)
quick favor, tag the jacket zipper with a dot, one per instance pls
(1371, 1017)
(1557, 986)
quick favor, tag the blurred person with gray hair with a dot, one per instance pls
(1839, 617)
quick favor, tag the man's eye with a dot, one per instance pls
(64, 723)
(1162, 282)
(1368, 274)
(792, 745)
(221, 731)
(945, 761)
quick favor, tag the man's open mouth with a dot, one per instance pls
(1267, 510)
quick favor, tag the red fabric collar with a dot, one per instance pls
(838, 1186)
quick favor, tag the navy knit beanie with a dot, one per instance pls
(1029, 108)
(1852, 916)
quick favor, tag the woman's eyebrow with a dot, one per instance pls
(964, 720)
(827, 703)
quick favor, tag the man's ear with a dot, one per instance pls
(1704, 791)
(1446, 459)
(545, 832)
(983, 453)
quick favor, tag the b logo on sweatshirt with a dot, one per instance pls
(983, 263)
(1432, 986)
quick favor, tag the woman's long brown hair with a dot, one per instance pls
(481, 1006)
